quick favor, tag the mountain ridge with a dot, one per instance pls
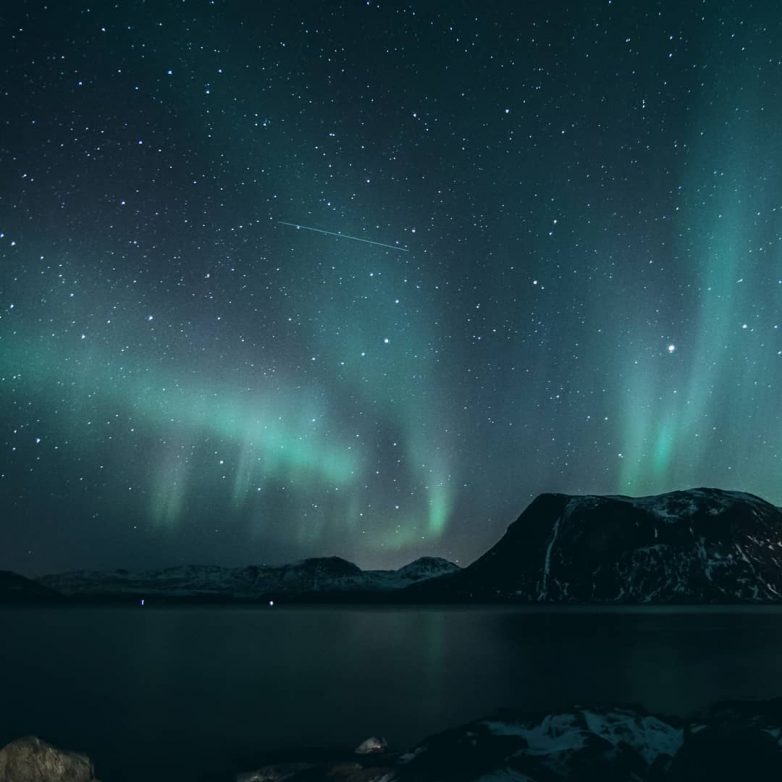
(701, 545)
(697, 545)
(332, 575)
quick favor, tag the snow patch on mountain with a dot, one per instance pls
(699, 545)
(324, 574)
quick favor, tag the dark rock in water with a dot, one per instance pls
(340, 771)
(763, 714)
(31, 760)
(277, 773)
(355, 772)
(695, 546)
(723, 754)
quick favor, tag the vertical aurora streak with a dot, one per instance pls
(708, 411)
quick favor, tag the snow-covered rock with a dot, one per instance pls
(598, 744)
(372, 745)
(700, 545)
(309, 576)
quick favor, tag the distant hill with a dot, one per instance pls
(18, 589)
(695, 546)
(318, 576)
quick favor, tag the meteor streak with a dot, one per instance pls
(340, 235)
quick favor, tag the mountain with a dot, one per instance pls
(18, 589)
(695, 546)
(422, 569)
(323, 575)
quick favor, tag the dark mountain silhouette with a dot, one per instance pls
(700, 545)
(694, 546)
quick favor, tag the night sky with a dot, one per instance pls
(569, 276)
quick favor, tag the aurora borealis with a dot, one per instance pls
(590, 299)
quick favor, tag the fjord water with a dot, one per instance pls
(193, 693)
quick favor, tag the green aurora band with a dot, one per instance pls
(257, 431)
(693, 406)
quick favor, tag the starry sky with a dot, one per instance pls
(564, 271)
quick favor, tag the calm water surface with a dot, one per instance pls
(190, 693)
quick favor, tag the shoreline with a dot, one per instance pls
(733, 740)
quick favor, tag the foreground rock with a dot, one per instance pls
(31, 760)
(695, 546)
(738, 741)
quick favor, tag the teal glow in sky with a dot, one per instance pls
(540, 251)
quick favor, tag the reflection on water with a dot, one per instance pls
(175, 693)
